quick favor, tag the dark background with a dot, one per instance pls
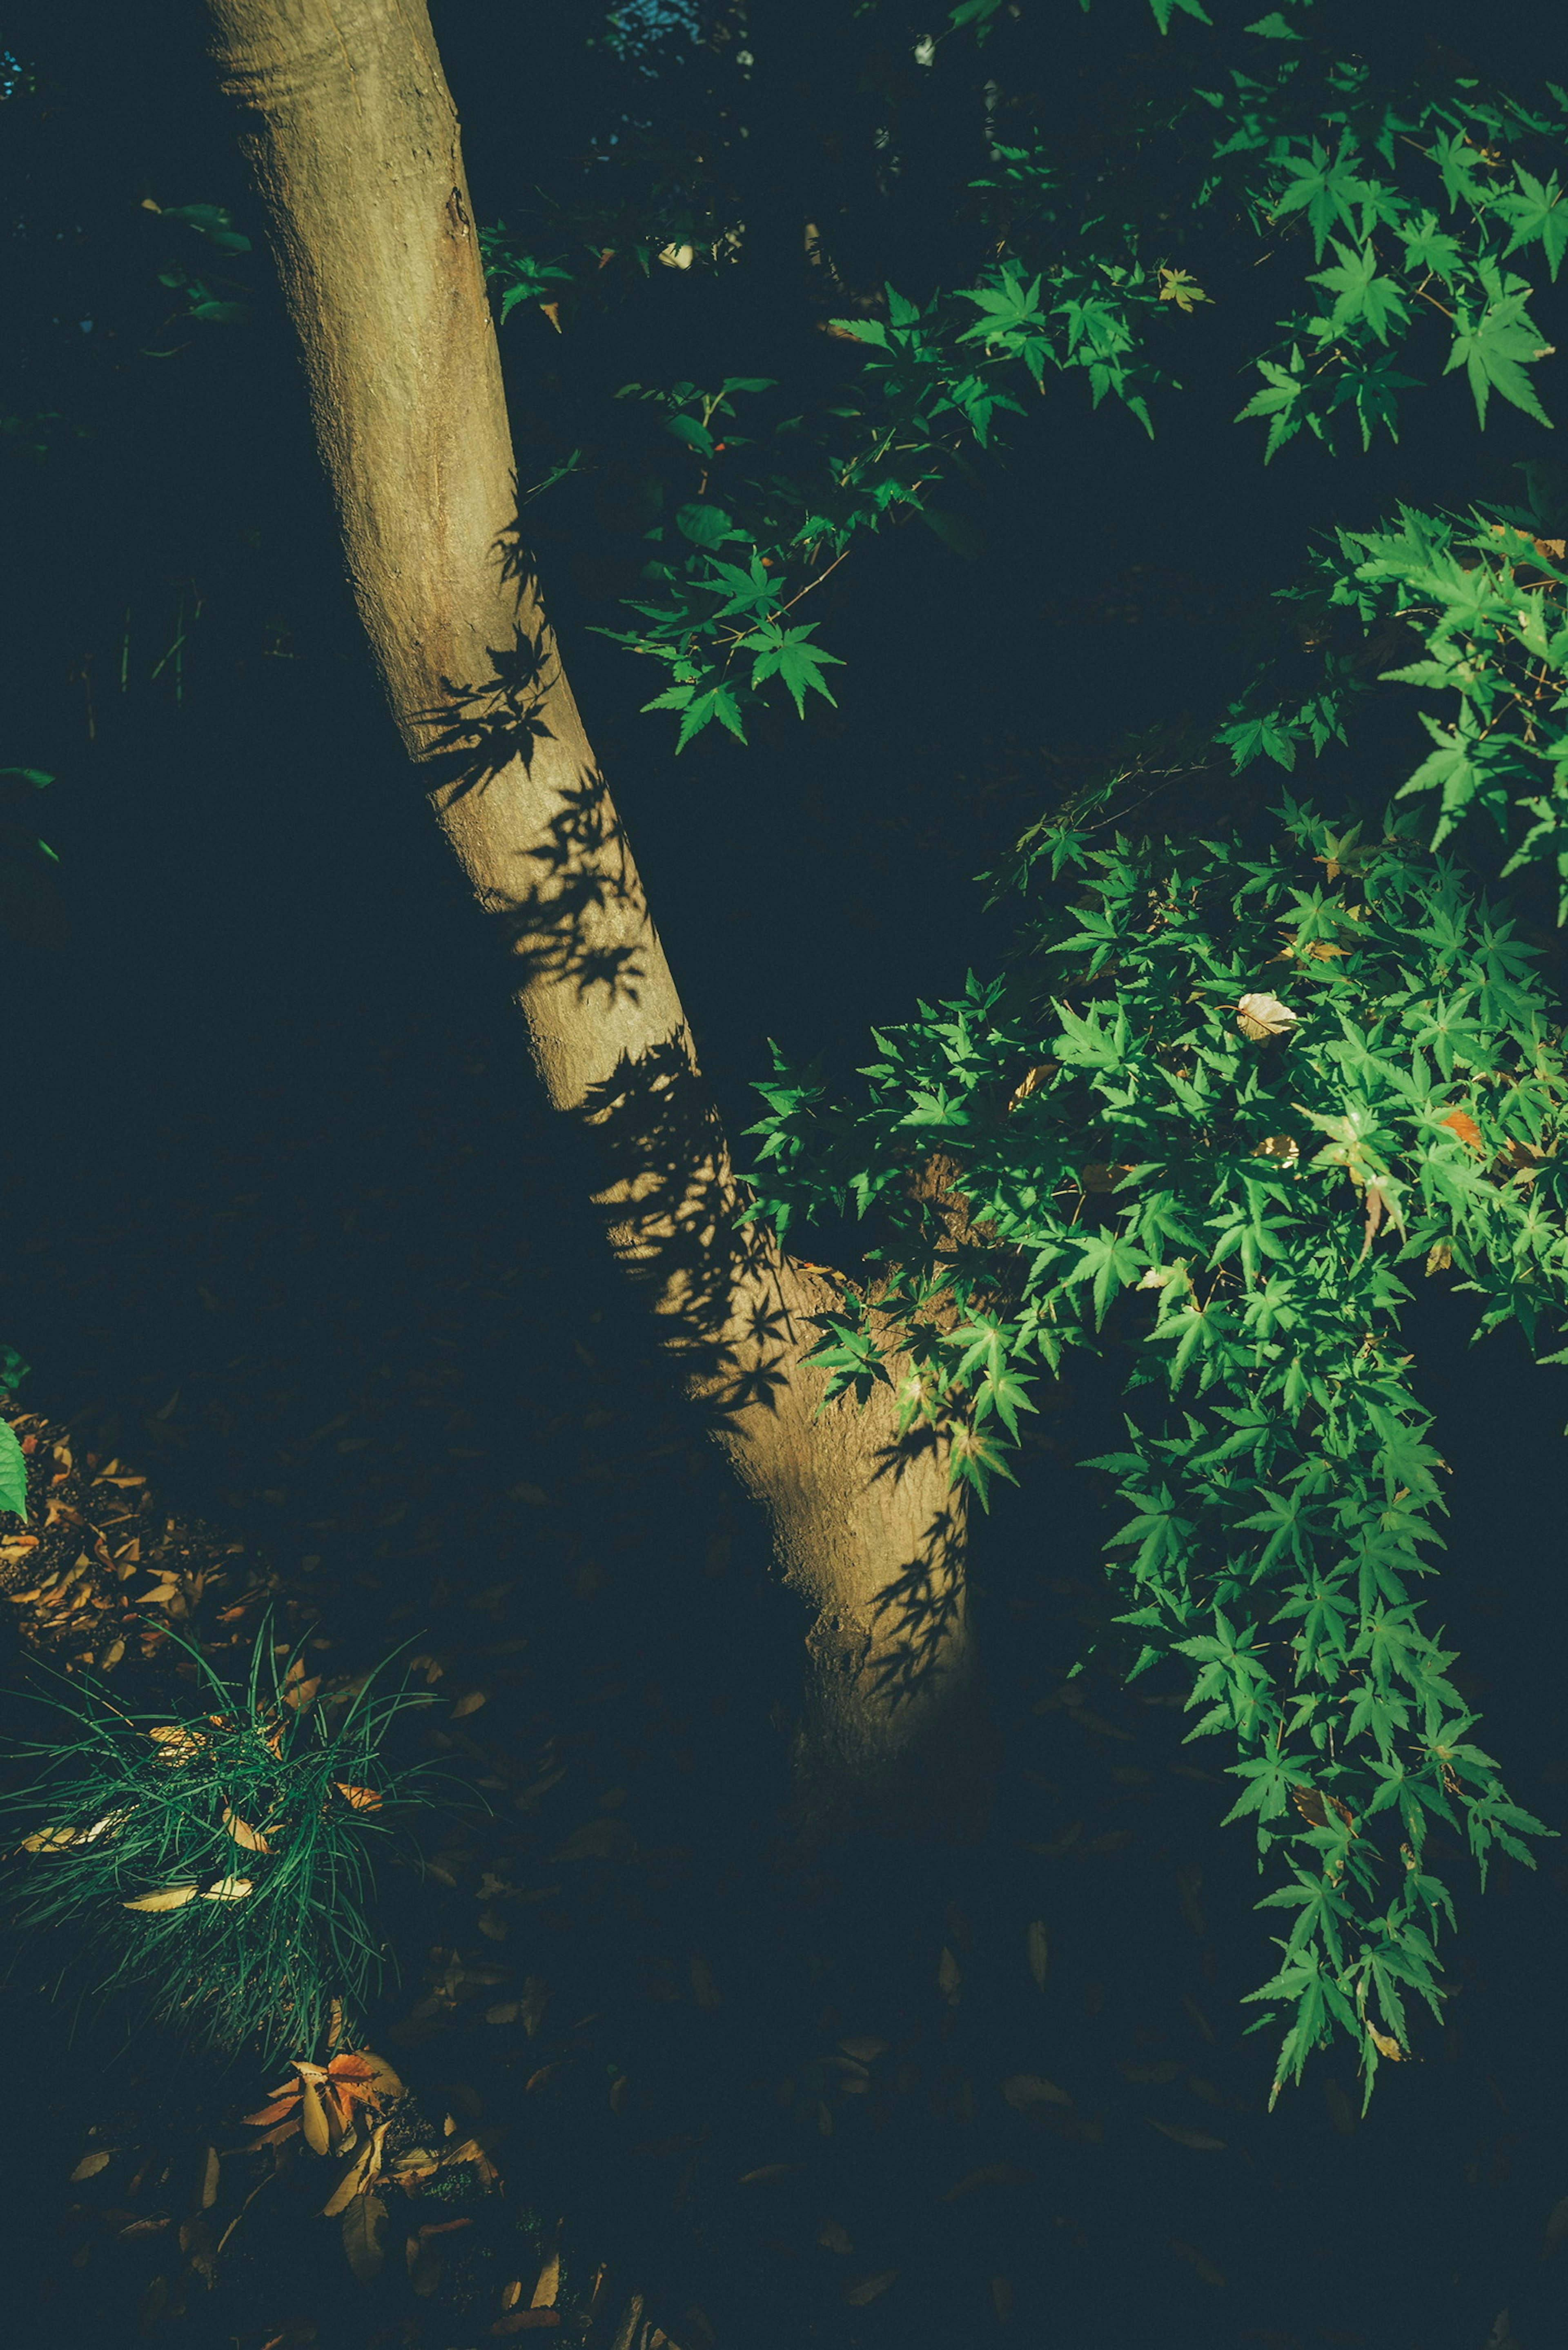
(273, 1148)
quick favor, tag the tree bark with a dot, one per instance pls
(353, 140)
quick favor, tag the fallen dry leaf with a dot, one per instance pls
(353, 2181)
(1194, 2139)
(362, 2224)
(1026, 2089)
(250, 1839)
(91, 2164)
(313, 2113)
(1263, 1017)
(278, 2111)
(362, 1799)
(171, 1897)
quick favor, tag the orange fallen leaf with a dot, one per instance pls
(352, 2067)
(362, 1799)
(278, 2111)
(275, 2137)
(469, 1704)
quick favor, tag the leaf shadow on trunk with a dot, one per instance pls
(864, 1523)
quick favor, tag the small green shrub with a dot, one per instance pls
(219, 1865)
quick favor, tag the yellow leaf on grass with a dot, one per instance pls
(211, 2169)
(229, 1888)
(252, 1839)
(91, 2164)
(469, 1704)
(1024, 2089)
(172, 1897)
(549, 2283)
(1385, 2046)
(362, 1799)
(511, 2293)
(868, 2288)
(51, 1840)
(175, 1742)
(1039, 1953)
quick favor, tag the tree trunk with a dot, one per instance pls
(353, 140)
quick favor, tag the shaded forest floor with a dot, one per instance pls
(292, 1241)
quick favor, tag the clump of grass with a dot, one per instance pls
(219, 1865)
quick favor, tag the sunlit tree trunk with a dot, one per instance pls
(353, 140)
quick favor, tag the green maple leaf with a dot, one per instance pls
(1536, 212)
(13, 1471)
(751, 591)
(1495, 349)
(788, 653)
(1363, 296)
(1163, 11)
(1279, 401)
(701, 705)
(1327, 187)
(1429, 247)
